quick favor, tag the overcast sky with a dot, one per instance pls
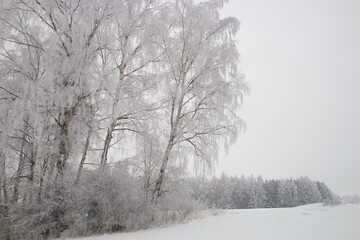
(302, 62)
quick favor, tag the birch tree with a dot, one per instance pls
(201, 82)
(129, 57)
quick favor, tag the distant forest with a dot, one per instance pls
(253, 192)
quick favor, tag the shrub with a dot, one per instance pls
(110, 202)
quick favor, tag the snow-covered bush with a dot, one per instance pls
(99, 203)
(353, 199)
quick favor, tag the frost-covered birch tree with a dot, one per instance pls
(128, 61)
(201, 82)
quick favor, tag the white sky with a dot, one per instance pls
(302, 61)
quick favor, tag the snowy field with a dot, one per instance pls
(311, 222)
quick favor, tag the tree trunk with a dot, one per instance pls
(175, 121)
(19, 172)
(105, 151)
(4, 222)
(159, 181)
(3, 177)
(32, 170)
(146, 180)
(83, 157)
(42, 177)
(64, 143)
(63, 151)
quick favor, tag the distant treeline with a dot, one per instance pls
(251, 192)
(352, 199)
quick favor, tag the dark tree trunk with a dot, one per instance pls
(106, 148)
(19, 172)
(83, 157)
(65, 119)
(3, 178)
(42, 177)
(32, 171)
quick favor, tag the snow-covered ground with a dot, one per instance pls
(311, 222)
